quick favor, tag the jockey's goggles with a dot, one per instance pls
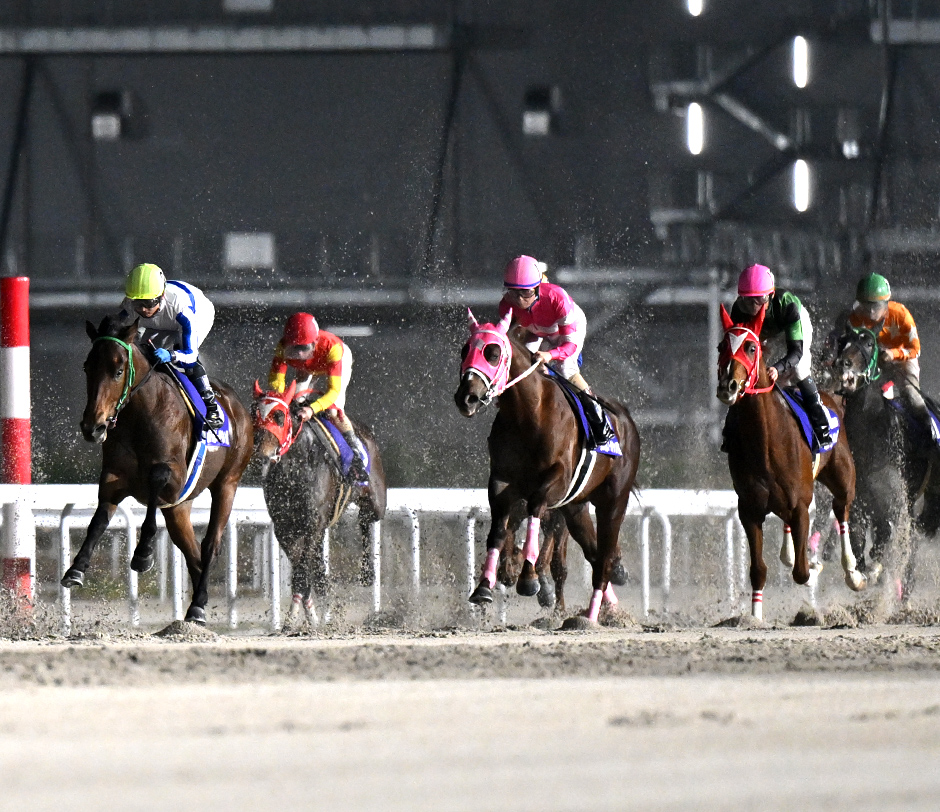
(522, 293)
(146, 304)
(873, 310)
(751, 304)
(298, 350)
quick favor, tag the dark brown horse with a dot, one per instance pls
(535, 456)
(771, 465)
(306, 494)
(141, 419)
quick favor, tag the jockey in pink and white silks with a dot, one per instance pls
(551, 318)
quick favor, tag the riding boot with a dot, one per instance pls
(815, 411)
(214, 419)
(600, 429)
(358, 470)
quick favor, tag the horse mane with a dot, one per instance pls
(111, 326)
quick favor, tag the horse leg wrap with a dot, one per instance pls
(757, 604)
(531, 549)
(595, 606)
(787, 550)
(489, 568)
(609, 596)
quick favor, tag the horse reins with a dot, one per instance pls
(754, 371)
(129, 388)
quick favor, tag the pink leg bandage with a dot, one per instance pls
(814, 542)
(609, 595)
(595, 606)
(531, 549)
(489, 569)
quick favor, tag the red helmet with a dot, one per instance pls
(301, 328)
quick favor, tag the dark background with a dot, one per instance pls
(396, 182)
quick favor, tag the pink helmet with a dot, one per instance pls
(755, 280)
(523, 272)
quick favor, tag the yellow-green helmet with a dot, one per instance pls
(146, 281)
(873, 288)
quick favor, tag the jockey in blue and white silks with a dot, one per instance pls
(176, 314)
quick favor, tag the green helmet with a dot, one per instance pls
(873, 288)
(145, 282)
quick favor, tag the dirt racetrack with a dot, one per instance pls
(723, 718)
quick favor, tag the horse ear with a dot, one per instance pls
(759, 319)
(90, 329)
(472, 320)
(726, 322)
(129, 333)
(258, 392)
(289, 394)
(504, 323)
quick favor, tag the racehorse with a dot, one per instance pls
(771, 464)
(895, 460)
(534, 456)
(142, 421)
(306, 493)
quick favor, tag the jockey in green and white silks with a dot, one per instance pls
(176, 317)
(785, 316)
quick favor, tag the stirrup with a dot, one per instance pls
(214, 418)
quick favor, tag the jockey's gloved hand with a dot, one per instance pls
(162, 355)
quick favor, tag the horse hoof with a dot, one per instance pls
(142, 563)
(618, 574)
(527, 588)
(546, 595)
(482, 595)
(856, 581)
(73, 578)
(197, 615)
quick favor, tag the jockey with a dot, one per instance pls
(784, 316)
(550, 315)
(897, 338)
(177, 315)
(307, 348)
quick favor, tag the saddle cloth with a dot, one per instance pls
(889, 393)
(338, 452)
(794, 400)
(612, 447)
(207, 439)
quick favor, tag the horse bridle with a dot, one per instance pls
(753, 370)
(129, 388)
(499, 382)
(871, 372)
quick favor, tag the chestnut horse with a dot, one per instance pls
(306, 494)
(534, 456)
(771, 464)
(145, 455)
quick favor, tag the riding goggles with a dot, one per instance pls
(146, 304)
(298, 350)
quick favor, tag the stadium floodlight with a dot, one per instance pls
(695, 7)
(695, 127)
(801, 184)
(800, 61)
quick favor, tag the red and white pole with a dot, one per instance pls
(15, 432)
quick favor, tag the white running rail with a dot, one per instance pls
(63, 507)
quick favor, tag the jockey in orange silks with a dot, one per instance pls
(308, 349)
(550, 317)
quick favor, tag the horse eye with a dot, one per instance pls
(491, 353)
(279, 418)
(464, 351)
(750, 347)
(119, 373)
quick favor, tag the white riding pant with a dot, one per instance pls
(803, 367)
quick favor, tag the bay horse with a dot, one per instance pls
(142, 422)
(895, 460)
(772, 467)
(535, 453)
(306, 494)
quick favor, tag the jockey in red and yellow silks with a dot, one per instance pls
(308, 349)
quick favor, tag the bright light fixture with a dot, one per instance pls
(800, 61)
(801, 185)
(695, 7)
(695, 127)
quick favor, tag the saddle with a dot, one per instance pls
(794, 400)
(337, 450)
(611, 447)
(206, 438)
